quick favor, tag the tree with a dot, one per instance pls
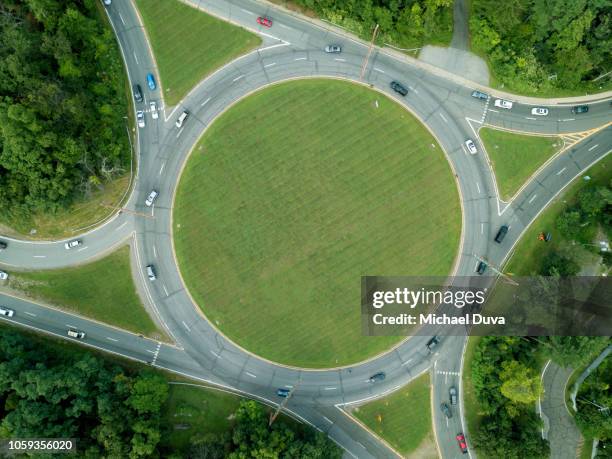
(574, 351)
(519, 383)
(559, 264)
(568, 223)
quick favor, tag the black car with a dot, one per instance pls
(480, 95)
(377, 377)
(580, 109)
(481, 268)
(137, 93)
(432, 343)
(446, 410)
(398, 88)
(282, 392)
(501, 234)
(2, 245)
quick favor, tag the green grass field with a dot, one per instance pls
(189, 44)
(296, 197)
(529, 252)
(515, 156)
(102, 290)
(192, 410)
(403, 418)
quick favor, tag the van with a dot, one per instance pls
(501, 234)
(76, 334)
(181, 119)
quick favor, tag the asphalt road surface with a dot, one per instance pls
(293, 48)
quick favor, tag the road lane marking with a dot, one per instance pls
(165, 289)
(121, 17)
(530, 118)
(250, 374)
(40, 256)
(71, 326)
(378, 70)
(149, 350)
(30, 313)
(328, 420)
(478, 187)
(561, 171)
(532, 198)
(269, 65)
(569, 119)
(413, 90)
(593, 147)
(361, 445)
(494, 111)
(135, 58)
(154, 252)
(111, 339)
(81, 249)
(180, 132)
(300, 58)
(248, 12)
(285, 27)
(407, 362)
(120, 226)
(238, 78)
(482, 228)
(215, 354)
(443, 118)
(329, 388)
(205, 102)
(162, 167)
(186, 326)
(340, 59)
(288, 386)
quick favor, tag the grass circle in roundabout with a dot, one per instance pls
(294, 193)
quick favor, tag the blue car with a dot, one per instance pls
(282, 392)
(151, 81)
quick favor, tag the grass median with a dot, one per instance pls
(297, 197)
(102, 290)
(403, 419)
(516, 157)
(189, 44)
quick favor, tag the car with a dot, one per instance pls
(75, 333)
(446, 410)
(462, 443)
(282, 392)
(578, 109)
(153, 108)
(3, 245)
(480, 95)
(151, 198)
(501, 234)
(6, 312)
(432, 343)
(264, 21)
(502, 103)
(182, 118)
(380, 376)
(539, 111)
(107, 2)
(471, 146)
(3, 275)
(151, 81)
(452, 392)
(140, 118)
(481, 267)
(72, 244)
(333, 49)
(137, 93)
(398, 88)
(151, 273)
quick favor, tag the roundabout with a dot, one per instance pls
(275, 221)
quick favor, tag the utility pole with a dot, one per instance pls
(128, 211)
(495, 270)
(365, 61)
(274, 415)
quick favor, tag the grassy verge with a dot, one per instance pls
(529, 252)
(189, 44)
(516, 157)
(403, 418)
(471, 408)
(102, 290)
(277, 222)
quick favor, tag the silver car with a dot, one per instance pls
(333, 49)
(72, 244)
(471, 146)
(151, 198)
(540, 111)
(140, 118)
(153, 107)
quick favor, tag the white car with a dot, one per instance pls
(76, 334)
(153, 107)
(3, 275)
(540, 111)
(72, 244)
(140, 118)
(6, 311)
(471, 146)
(151, 198)
(502, 103)
(181, 119)
(107, 2)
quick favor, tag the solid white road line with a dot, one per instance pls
(111, 339)
(205, 102)
(269, 65)
(186, 326)
(532, 198)
(378, 70)
(443, 119)
(238, 78)
(561, 171)
(593, 147)
(250, 374)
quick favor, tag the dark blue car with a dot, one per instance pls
(282, 392)
(151, 81)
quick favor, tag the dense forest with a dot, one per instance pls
(62, 103)
(547, 46)
(54, 390)
(403, 23)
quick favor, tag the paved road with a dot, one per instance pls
(291, 49)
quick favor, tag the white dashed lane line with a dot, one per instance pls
(81, 249)
(247, 12)
(561, 171)
(443, 118)
(376, 69)
(238, 78)
(135, 57)
(121, 18)
(328, 420)
(30, 313)
(40, 256)
(205, 102)
(250, 374)
(120, 226)
(593, 147)
(186, 326)
(215, 354)
(300, 58)
(532, 198)
(269, 65)
(111, 339)
(162, 167)
(530, 118)
(478, 187)
(340, 60)
(329, 388)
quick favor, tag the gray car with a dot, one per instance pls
(453, 395)
(333, 49)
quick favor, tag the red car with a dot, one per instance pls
(462, 443)
(264, 21)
